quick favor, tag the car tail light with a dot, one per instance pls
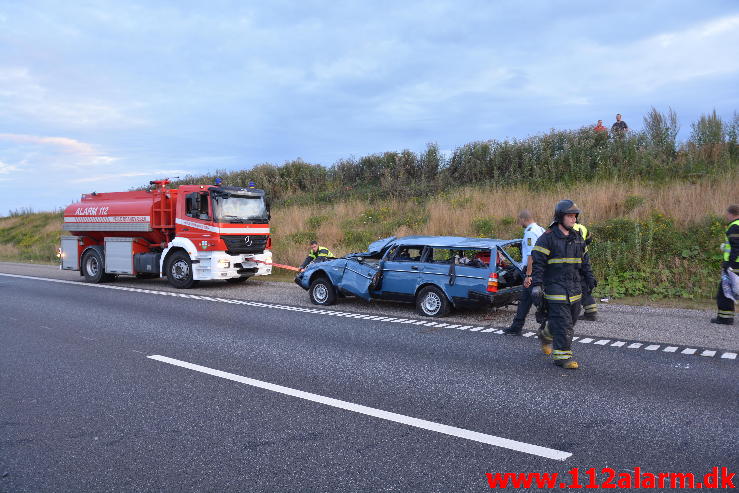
(493, 283)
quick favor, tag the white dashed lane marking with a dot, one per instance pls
(708, 353)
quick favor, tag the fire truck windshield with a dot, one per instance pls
(230, 208)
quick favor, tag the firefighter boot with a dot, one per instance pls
(568, 364)
(722, 321)
(590, 317)
(545, 338)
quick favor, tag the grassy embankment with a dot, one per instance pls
(654, 205)
(657, 240)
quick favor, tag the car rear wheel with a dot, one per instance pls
(432, 302)
(322, 292)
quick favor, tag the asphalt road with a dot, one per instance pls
(685, 327)
(84, 407)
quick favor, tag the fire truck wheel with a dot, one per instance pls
(93, 267)
(432, 302)
(237, 280)
(179, 271)
(322, 292)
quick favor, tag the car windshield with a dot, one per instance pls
(239, 208)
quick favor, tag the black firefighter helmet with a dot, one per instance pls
(565, 207)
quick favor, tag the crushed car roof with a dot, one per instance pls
(452, 241)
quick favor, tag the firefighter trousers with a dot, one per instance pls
(524, 305)
(561, 320)
(725, 305)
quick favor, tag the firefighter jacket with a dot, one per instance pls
(322, 253)
(730, 247)
(561, 266)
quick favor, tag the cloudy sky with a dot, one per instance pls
(106, 95)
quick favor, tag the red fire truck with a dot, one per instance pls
(187, 234)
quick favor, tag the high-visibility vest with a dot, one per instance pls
(582, 230)
(726, 246)
(322, 252)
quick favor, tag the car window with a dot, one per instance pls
(408, 254)
(441, 256)
(513, 250)
(473, 258)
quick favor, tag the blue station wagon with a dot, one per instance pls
(437, 273)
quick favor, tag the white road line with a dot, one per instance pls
(529, 334)
(359, 316)
(47, 328)
(475, 436)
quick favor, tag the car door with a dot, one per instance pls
(438, 267)
(357, 277)
(360, 271)
(401, 271)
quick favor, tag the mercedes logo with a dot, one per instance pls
(247, 240)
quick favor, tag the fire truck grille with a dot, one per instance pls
(237, 244)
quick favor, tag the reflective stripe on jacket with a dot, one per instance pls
(730, 247)
(561, 265)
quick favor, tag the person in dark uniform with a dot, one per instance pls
(560, 264)
(316, 252)
(730, 250)
(588, 302)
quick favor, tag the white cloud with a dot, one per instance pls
(154, 174)
(75, 153)
(7, 168)
(23, 96)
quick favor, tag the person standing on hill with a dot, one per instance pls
(730, 249)
(316, 252)
(531, 234)
(600, 128)
(559, 266)
(620, 126)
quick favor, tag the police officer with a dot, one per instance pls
(730, 249)
(316, 252)
(560, 263)
(531, 234)
(588, 302)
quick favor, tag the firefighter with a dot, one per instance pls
(316, 252)
(730, 249)
(588, 302)
(560, 263)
